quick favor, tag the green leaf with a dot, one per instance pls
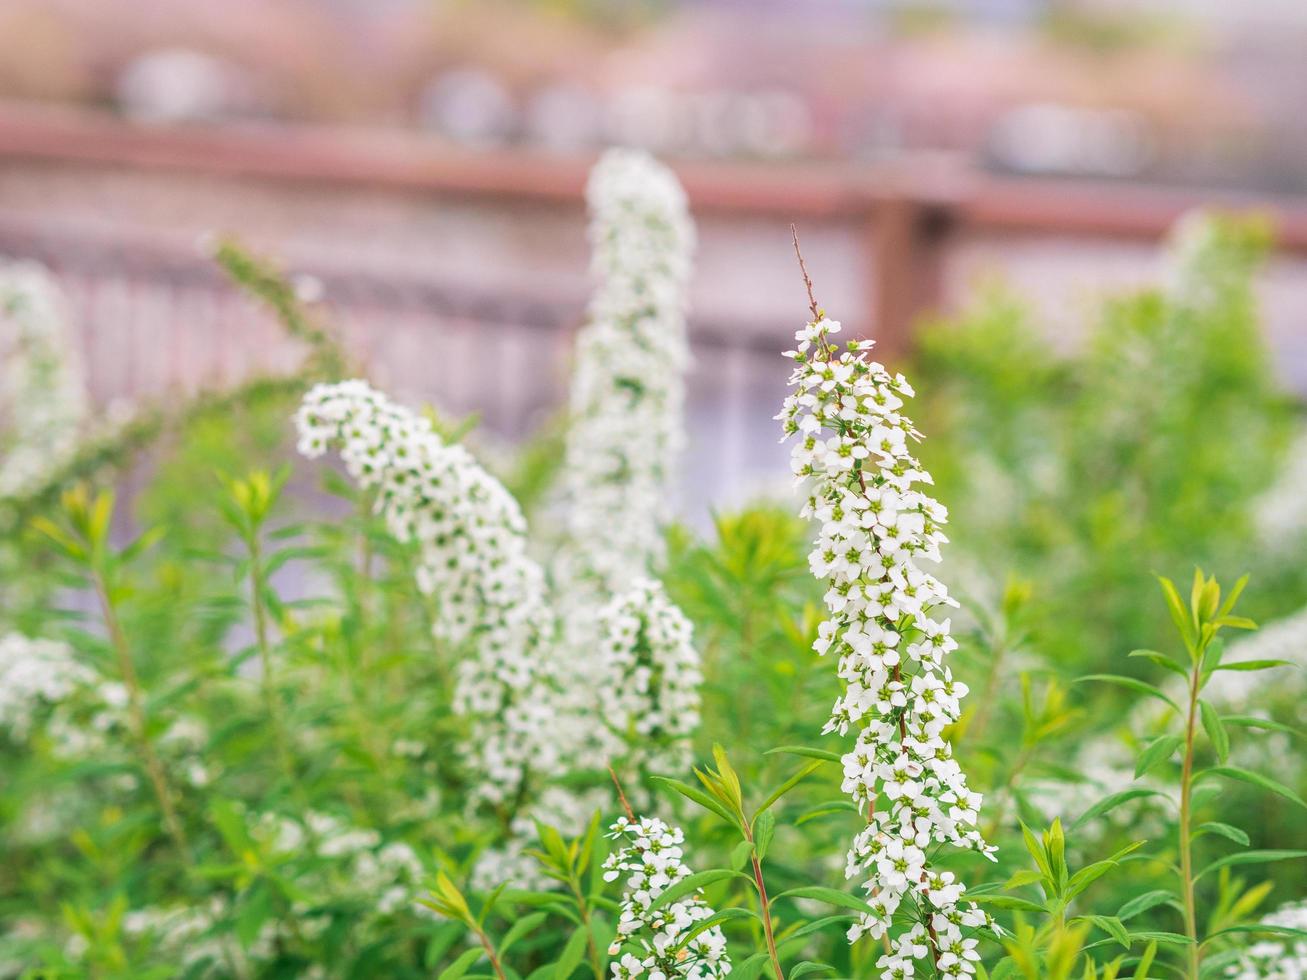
(703, 925)
(1131, 683)
(1162, 660)
(1008, 902)
(1110, 803)
(1254, 664)
(825, 810)
(811, 753)
(741, 853)
(1146, 962)
(828, 895)
(1250, 857)
(1142, 903)
(1158, 751)
(1021, 878)
(807, 967)
(752, 967)
(1260, 927)
(461, 965)
(1255, 779)
(1215, 730)
(1248, 721)
(789, 784)
(1224, 830)
(1086, 876)
(692, 883)
(1166, 938)
(817, 925)
(1179, 614)
(573, 954)
(697, 796)
(520, 928)
(764, 827)
(1111, 925)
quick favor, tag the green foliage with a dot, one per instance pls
(275, 782)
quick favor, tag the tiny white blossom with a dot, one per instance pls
(852, 449)
(42, 390)
(650, 858)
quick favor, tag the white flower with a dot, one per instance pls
(627, 398)
(853, 450)
(648, 678)
(35, 673)
(42, 391)
(471, 537)
(1279, 957)
(650, 857)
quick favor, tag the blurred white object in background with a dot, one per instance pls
(180, 84)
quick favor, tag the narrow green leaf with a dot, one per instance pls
(461, 965)
(817, 925)
(520, 928)
(1162, 660)
(1250, 857)
(828, 895)
(1254, 664)
(1133, 684)
(825, 810)
(1224, 830)
(697, 796)
(1157, 751)
(1255, 779)
(1142, 903)
(1259, 927)
(740, 854)
(1215, 730)
(808, 967)
(752, 967)
(804, 750)
(1110, 803)
(764, 827)
(703, 925)
(692, 883)
(1248, 721)
(1008, 902)
(1111, 925)
(790, 783)
(573, 954)
(1146, 962)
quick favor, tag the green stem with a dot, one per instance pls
(136, 713)
(270, 696)
(1186, 816)
(488, 946)
(596, 963)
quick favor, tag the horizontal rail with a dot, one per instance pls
(945, 196)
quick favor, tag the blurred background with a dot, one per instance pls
(424, 162)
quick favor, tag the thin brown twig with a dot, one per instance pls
(807, 280)
(621, 795)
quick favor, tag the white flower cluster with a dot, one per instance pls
(472, 539)
(1276, 959)
(388, 874)
(649, 678)
(650, 857)
(191, 935)
(35, 673)
(42, 393)
(853, 447)
(628, 392)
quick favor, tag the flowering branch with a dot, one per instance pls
(471, 537)
(876, 529)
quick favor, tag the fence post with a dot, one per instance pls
(903, 245)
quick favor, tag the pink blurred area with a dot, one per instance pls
(424, 162)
